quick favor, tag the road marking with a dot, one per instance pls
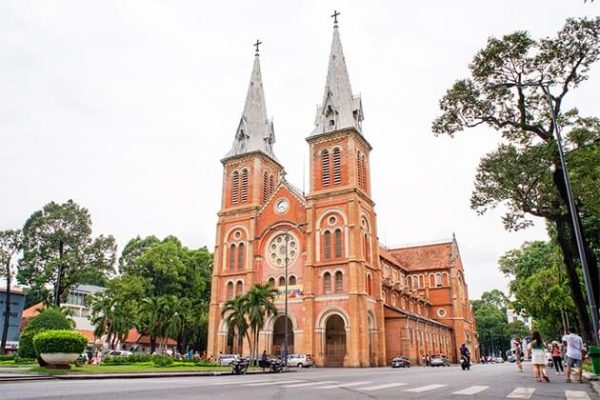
(343, 385)
(424, 388)
(235, 381)
(576, 395)
(273, 383)
(472, 390)
(307, 384)
(521, 393)
(387, 385)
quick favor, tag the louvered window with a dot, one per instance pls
(327, 245)
(265, 193)
(230, 290)
(241, 257)
(359, 170)
(327, 282)
(244, 192)
(325, 168)
(232, 258)
(339, 282)
(235, 187)
(271, 185)
(364, 172)
(337, 166)
(338, 243)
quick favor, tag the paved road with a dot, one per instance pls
(482, 382)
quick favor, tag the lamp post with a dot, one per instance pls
(285, 336)
(575, 219)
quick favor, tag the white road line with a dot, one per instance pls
(424, 388)
(308, 384)
(576, 395)
(343, 385)
(521, 393)
(387, 385)
(234, 382)
(273, 383)
(472, 390)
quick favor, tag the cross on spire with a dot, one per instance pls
(258, 43)
(334, 16)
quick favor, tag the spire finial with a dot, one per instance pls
(334, 16)
(258, 43)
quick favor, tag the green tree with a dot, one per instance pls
(48, 318)
(517, 329)
(58, 249)
(132, 250)
(490, 318)
(234, 314)
(511, 80)
(259, 306)
(10, 244)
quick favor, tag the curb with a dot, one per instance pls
(20, 378)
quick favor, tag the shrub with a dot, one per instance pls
(205, 363)
(161, 361)
(7, 357)
(20, 360)
(132, 359)
(49, 318)
(59, 341)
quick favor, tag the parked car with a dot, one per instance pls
(439, 360)
(225, 360)
(400, 362)
(300, 360)
(119, 353)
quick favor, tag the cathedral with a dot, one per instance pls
(351, 301)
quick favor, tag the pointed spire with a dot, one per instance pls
(340, 109)
(255, 131)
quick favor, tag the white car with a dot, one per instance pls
(119, 353)
(300, 360)
(225, 360)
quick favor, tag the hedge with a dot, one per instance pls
(59, 341)
(161, 361)
(49, 318)
(126, 360)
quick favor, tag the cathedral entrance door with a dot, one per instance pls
(335, 341)
(279, 336)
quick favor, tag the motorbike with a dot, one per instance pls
(465, 364)
(239, 366)
(273, 364)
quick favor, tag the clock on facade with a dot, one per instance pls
(281, 206)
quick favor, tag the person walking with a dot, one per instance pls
(557, 358)
(518, 352)
(538, 357)
(574, 345)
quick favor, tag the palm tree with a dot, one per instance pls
(259, 306)
(234, 314)
(150, 319)
(102, 316)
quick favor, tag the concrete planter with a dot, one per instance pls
(59, 360)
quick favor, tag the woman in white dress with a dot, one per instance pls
(538, 357)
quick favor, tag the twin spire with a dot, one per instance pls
(339, 110)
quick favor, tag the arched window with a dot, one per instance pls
(232, 258)
(244, 191)
(359, 170)
(265, 193)
(337, 166)
(325, 168)
(364, 172)
(230, 290)
(421, 282)
(338, 243)
(241, 257)
(281, 281)
(235, 187)
(292, 280)
(272, 282)
(326, 283)
(339, 282)
(238, 288)
(327, 245)
(368, 284)
(438, 280)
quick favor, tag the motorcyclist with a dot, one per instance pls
(466, 354)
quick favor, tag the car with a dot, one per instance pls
(224, 360)
(119, 353)
(400, 362)
(511, 359)
(300, 360)
(439, 360)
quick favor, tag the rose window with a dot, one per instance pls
(277, 247)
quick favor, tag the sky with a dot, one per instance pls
(127, 107)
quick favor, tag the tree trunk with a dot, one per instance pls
(60, 258)
(152, 344)
(6, 310)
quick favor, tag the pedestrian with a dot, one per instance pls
(263, 360)
(574, 345)
(537, 350)
(557, 358)
(518, 354)
(427, 360)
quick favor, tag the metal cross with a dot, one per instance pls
(258, 43)
(334, 16)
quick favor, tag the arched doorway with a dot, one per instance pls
(335, 341)
(279, 336)
(229, 346)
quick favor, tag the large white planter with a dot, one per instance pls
(59, 358)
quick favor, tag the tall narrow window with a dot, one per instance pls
(271, 185)
(265, 193)
(244, 191)
(235, 187)
(438, 280)
(232, 258)
(238, 288)
(292, 280)
(325, 168)
(367, 248)
(364, 172)
(359, 170)
(281, 281)
(241, 257)
(327, 245)
(337, 166)
(338, 243)
(339, 282)
(230, 290)
(272, 282)
(326, 283)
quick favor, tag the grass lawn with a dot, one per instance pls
(12, 364)
(147, 367)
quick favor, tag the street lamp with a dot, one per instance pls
(575, 219)
(285, 336)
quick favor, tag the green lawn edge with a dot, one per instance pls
(126, 369)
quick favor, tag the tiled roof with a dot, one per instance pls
(424, 257)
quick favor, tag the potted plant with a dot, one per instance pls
(59, 348)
